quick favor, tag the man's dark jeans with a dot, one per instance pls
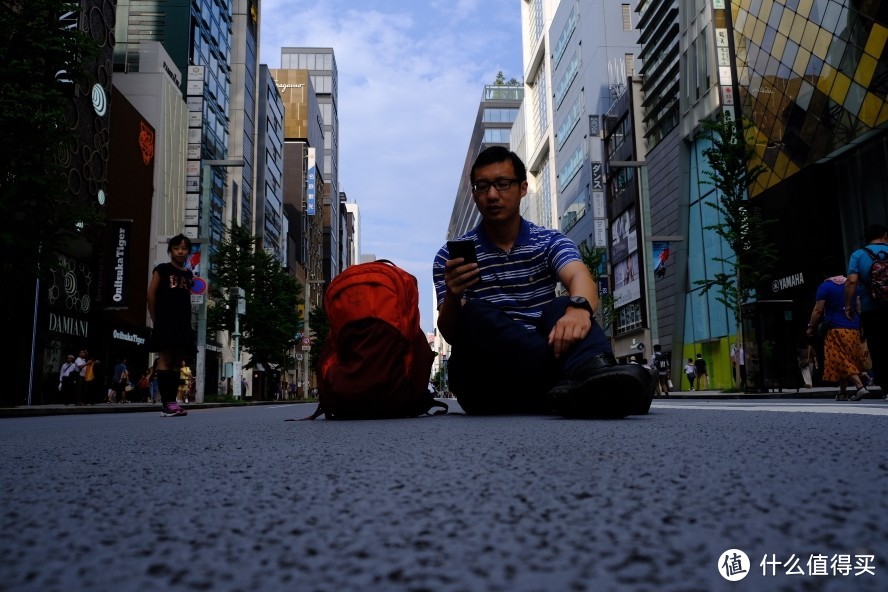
(498, 365)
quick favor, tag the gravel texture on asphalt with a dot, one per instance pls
(239, 499)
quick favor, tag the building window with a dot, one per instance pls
(627, 17)
(630, 64)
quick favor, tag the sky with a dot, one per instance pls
(411, 77)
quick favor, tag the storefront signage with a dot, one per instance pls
(120, 236)
(597, 176)
(129, 337)
(790, 281)
(68, 325)
(310, 190)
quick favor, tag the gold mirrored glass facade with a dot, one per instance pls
(812, 78)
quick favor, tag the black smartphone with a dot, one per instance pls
(464, 249)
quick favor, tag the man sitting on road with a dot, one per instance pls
(515, 346)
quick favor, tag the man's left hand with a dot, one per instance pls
(572, 327)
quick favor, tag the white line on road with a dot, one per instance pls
(847, 408)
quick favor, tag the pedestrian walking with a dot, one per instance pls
(807, 362)
(69, 378)
(119, 382)
(662, 365)
(153, 388)
(691, 372)
(185, 377)
(700, 372)
(862, 286)
(169, 305)
(841, 346)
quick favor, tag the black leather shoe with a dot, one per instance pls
(603, 389)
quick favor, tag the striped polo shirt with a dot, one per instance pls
(522, 281)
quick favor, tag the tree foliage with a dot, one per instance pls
(320, 328)
(742, 225)
(268, 329)
(594, 259)
(501, 80)
(41, 70)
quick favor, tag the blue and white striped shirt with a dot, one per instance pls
(522, 281)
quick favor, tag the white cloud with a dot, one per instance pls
(411, 76)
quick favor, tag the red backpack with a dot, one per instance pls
(376, 362)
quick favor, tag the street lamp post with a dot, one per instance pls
(240, 309)
(200, 365)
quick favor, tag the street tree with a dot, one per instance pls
(742, 225)
(44, 52)
(268, 329)
(320, 328)
(594, 258)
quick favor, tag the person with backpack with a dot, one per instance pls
(842, 362)
(662, 366)
(515, 346)
(868, 284)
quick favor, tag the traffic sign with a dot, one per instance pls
(306, 341)
(199, 285)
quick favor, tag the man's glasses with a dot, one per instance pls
(499, 184)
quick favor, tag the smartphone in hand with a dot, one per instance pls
(464, 249)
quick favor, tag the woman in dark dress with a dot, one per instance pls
(169, 304)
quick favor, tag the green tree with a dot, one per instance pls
(320, 328)
(44, 52)
(268, 329)
(594, 258)
(741, 224)
(501, 80)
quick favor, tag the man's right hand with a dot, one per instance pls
(459, 276)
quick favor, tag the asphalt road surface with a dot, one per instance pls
(240, 499)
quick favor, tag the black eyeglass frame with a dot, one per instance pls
(502, 184)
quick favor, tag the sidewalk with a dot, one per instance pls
(59, 409)
(828, 392)
(819, 392)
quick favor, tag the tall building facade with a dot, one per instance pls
(807, 81)
(320, 62)
(271, 225)
(812, 82)
(354, 222)
(243, 112)
(303, 139)
(537, 136)
(68, 312)
(663, 169)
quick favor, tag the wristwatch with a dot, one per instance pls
(580, 302)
